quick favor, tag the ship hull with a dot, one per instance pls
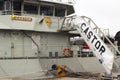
(39, 68)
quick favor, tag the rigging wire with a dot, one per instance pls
(38, 48)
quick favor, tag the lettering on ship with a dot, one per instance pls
(93, 39)
(20, 18)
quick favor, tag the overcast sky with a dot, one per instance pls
(105, 13)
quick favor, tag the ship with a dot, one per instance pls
(33, 40)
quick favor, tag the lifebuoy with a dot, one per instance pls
(67, 52)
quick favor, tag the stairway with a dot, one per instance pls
(85, 27)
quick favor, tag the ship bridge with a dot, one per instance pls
(58, 8)
(38, 15)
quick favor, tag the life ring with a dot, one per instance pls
(66, 52)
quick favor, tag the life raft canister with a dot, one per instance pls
(66, 52)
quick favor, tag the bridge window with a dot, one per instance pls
(70, 10)
(7, 5)
(31, 8)
(1, 4)
(60, 12)
(46, 10)
(17, 7)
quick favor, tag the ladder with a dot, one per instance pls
(85, 27)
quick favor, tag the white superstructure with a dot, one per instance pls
(34, 36)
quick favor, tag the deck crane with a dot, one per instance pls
(99, 48)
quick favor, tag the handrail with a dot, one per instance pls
(103, 35)
(84, 26)
(16, 12)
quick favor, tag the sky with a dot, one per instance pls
(105, 13)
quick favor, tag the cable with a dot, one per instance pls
(4, 71)
(38, 49)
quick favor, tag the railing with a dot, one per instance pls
(49, 51)
(68, 24)
(9, 12)
(22, 51)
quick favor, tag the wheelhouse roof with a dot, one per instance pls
(58, 2)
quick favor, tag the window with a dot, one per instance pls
(17, 5)
(46, 10)
(60, 12)
(70, 10)
(31, 8)
(1, 4)
(7, 6)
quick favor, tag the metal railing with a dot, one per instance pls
(10, 12)
(68, 24)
